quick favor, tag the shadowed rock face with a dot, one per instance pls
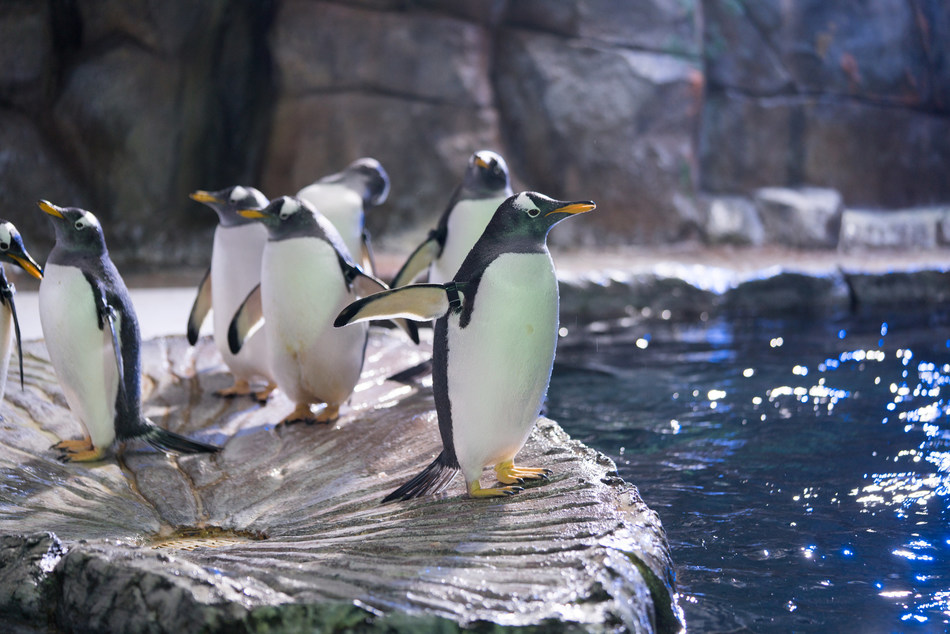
(284, 528)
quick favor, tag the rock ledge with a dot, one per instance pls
(283, 529)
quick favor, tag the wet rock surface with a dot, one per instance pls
(283, 528)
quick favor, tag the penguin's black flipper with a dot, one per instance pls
(366, 285)
(432, 480)
(418, 262)
(368, 258)
(248, 319)
(19, 344)
(165, 440)
(107, 315)
(110, 318)
(7, 291)
(419, 302)
(200, 309)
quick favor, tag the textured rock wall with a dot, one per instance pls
(851, 95)
(126, 106)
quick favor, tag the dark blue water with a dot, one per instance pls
(801, 467)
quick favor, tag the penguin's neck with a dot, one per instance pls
(85, 259)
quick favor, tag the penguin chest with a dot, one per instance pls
(235, 271)
(466, 223)
(302, 289)
(80, 352)
(499, 365)
(235, 268)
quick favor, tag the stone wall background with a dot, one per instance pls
(672, 114)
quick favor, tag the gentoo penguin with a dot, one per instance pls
(307, 277)
(11, 250)
(483, 188)
(493, 346)
(343, 197)
(235, 271)
(92, 336)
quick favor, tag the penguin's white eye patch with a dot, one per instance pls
(238, 193)
(523, 202)
(87, 220)
(289, 208)
(6, 237)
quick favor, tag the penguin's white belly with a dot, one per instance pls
(302, 292)
(80, 352)
(6, 345)
(343, 207)
(467, 222)
(499, 365)
(235, 271)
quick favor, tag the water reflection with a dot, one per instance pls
(801, 467)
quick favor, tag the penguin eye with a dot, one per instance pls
(80, 225)
(533, 212)
(4, 246)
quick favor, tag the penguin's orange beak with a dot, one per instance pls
(253, 214)
(481, 163)
(28, 265)
(50, 208)
(202, 196)
(574, 208)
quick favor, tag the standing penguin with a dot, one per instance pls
(493, 347)
(343, 197)
(485, 186)
(235, 271)
(92, 335)
(307, 277)
(11, 250)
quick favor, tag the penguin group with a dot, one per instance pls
(292, 287)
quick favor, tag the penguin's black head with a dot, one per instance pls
(77, 230)
(226, 202)
(486, 175)
(290, 217)
(12, 250)
(365, 176)
(527, 217)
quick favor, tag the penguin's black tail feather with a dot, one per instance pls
(165, 440)
(432, 480)
(410, 375)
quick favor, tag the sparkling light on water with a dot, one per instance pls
(800, 468)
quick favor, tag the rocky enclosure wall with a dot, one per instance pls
(124, 107)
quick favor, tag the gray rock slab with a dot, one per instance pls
(733, 220)
(283, 530)
(909, 229)
(804, 217)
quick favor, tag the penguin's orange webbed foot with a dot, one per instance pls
(73, 446)
(304, 414)
(329, 414)
(240, 388)
(476, 491)
(508, 473)
(91, 454)
(261, 396)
